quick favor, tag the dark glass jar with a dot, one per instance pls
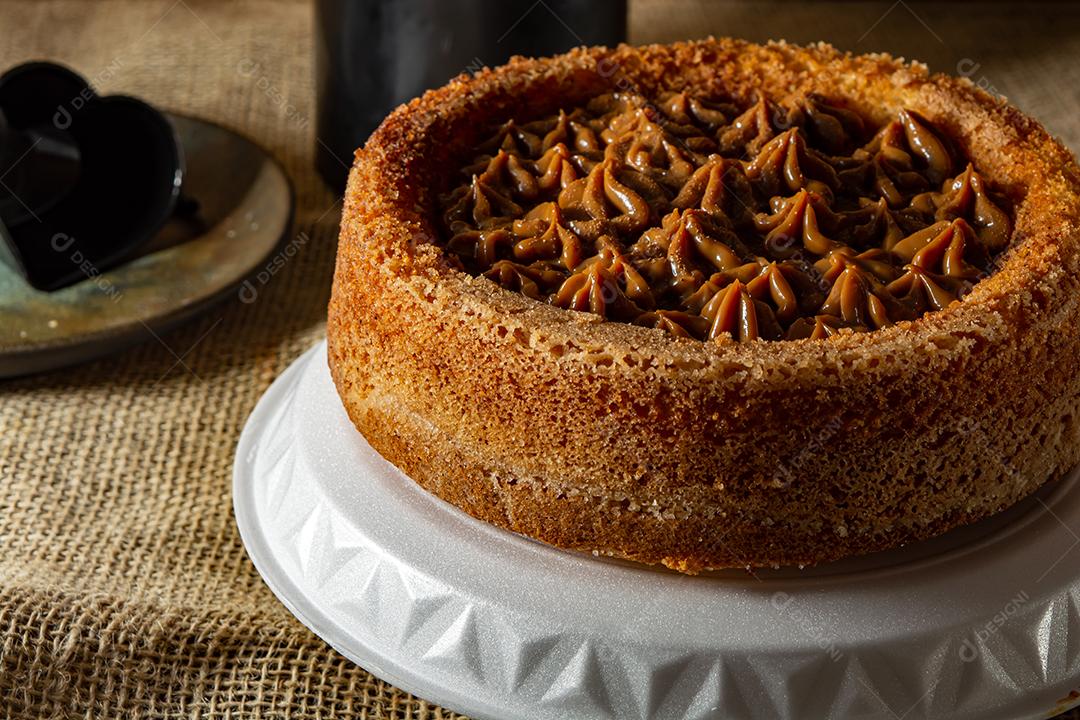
(373, 55)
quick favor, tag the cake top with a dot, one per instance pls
(712, 221)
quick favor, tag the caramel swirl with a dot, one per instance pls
(711, 221)
(820, 327)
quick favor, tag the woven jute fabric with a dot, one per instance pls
(125, 591)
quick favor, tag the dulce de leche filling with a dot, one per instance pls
(717, 222)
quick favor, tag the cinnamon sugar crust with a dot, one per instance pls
(634, 443)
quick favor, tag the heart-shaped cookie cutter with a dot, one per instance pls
(85, 180)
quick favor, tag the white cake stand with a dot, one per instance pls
(982, 624)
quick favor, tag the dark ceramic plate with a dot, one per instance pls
(245, 205)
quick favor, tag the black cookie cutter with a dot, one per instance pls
(85, 181)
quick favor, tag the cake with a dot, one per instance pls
(713, 304)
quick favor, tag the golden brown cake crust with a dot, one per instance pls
(629, 442)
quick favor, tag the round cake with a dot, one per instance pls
(713, 304)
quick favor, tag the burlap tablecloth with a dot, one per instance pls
(124, 588)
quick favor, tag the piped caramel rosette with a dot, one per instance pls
(710, 221)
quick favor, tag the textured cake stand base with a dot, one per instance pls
(983, 623)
